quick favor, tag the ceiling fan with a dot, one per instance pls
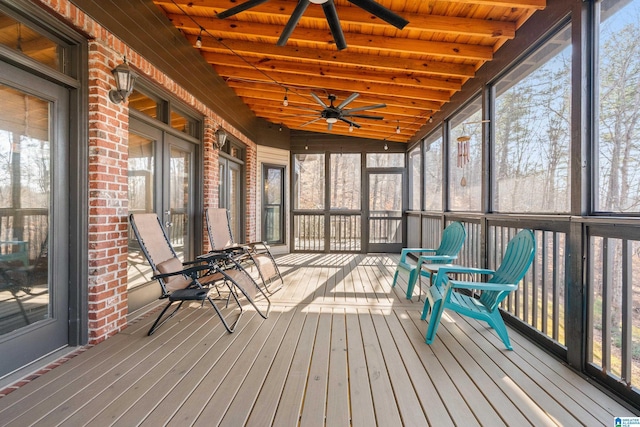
(329, 8)
(332, 114)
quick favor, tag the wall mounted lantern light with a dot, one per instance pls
(125, 79)
(221, 138)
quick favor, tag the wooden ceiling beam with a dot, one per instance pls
(223, 29)
(282, 10)
(247, 88)
(287, 79)
(336, 72)
(268, 51)
(278, 109)
(343, 129)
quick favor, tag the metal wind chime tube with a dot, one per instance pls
(463, 150)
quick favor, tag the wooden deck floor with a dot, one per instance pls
(340, 348)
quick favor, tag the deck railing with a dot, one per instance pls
(607, 283)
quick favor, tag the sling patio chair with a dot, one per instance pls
(451, 243)
(191, 280)
(253, 254)
(445, 294)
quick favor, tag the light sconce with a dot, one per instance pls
(125, 79)
(386, 147)
(221, 138)
(199, 39)
(285, 101)
(430, 119)
(398, 128)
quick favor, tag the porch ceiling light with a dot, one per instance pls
(221, 138)
(125, 79)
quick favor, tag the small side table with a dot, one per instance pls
(432, 269)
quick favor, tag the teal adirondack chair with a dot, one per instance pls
(517, 260)
(452, 240)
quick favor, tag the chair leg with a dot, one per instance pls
(496, 322)
(158, 323)
(411, 282)
(434, 321)
(232, 327)
(395, 278)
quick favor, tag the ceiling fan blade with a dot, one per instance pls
(363, 116)
(330, 12)
(310, 121)
(381, 12)
(292, 22)
(366, 107)
(319, 101)
(288, 116)
(348, 100)
(240, 8)
(351, 123)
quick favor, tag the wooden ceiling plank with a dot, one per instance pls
(329, 71)
(392, 112)
(254, 87)
(268, 51)
(223, 29)
(282, 9)
(329, 84)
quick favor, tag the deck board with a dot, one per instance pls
(340, 347)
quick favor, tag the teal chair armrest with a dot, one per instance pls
(442, 277)
(483, 286)
(406, 251)
(425, 259)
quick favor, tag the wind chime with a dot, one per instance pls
(463, 154)
(463, 150)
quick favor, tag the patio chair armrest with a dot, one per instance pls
(442, 277)
(431, 258)
(185, 272)
(406, 251)
(258, 246)
(460, 269)
(214, 256)
(483, 286)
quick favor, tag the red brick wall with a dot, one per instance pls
(108, 165)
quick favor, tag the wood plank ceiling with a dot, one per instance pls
(414, 71)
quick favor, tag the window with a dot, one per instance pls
(617, 178)
(415, 178)
(532, 131)
(345, 181)
(433, 171)
(465, 159)
(273, 196)
(145, 104)
(308, 181)
(18, 36)
(385, 160)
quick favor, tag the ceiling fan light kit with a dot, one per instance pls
(330, 12)
(332, 114)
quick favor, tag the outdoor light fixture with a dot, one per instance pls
(285, 101)
(125, 79)
(430, 119)
(221, 138)
(350, 128)
(398, 128)
(386, 147)
(199, 39)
